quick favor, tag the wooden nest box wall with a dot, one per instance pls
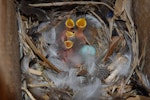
(142, 21)
(9, 52)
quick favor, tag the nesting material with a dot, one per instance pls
(85, 50)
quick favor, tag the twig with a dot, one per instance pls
(39, 85)
(93, 13)
(141, 79)
(112, 47)
(47, 79)
(37, 52)
(35, 72)
(136, 59)
(71, 3)
(111, 26)
(42, 63)
(28, 93)
(143, 53)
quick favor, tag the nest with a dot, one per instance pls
(79, 50)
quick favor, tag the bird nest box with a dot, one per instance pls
(80, 50)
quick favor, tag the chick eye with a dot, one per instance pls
(70, 34)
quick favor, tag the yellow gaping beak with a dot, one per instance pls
(69, 34)
(81, 23)
(68, 44)
(69, 23)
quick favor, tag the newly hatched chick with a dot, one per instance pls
(81, 25)
(66, 43)
(68, 31)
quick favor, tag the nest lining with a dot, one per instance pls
(52, 72)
